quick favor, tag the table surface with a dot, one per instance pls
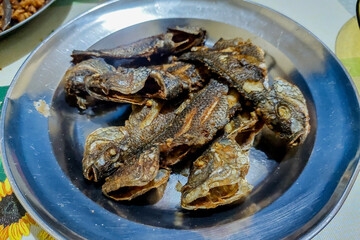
(325, 22)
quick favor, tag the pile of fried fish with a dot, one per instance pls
(209, 99)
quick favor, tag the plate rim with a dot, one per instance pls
(311, 231)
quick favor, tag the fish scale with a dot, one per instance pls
(174, 41)
(217, 177)
(285, 114)
(197, 134)
(133, 173)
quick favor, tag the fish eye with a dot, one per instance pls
(284, 112)
(112, 152)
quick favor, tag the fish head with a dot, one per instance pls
(96, 84)
(75, 78)
(138, 175)
(292, 117)
(102, 155)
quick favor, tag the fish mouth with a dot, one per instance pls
(92, 173)
(298, 139)
(96, 173)
(96, 84)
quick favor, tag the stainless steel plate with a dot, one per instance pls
(49, 2)
(296, 192)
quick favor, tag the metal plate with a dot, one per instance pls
(294, 196)
(4, 33)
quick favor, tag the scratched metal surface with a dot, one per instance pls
(296, 192)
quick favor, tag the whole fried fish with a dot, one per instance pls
(107, 149)
(176, 40)
(137, 85)
(74, 79)
(217, 177)
(196, 122)
(248, 74)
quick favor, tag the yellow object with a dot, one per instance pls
(347, 49)
(44, 236)
(15, 231)
(5, 189)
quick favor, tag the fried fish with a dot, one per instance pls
(284, 110)
(217, 177)
(196, 122)
(217, 98)
(107, 149)
(137, 85)
(176, 40)
(74, 79)
(240, 46)
(244, 72)
(248, 75)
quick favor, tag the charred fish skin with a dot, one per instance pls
(282, 105)
(245, 73)
(107, 149)
(176, 40)
(187, 37)
(240, 63)
(74, 78)
(131, 192)
(239, 45)
(217, 177)
(220, 176)
(101, 155)
(137, 85)
(124, 80)
(190, 75)
(141, 48)
(138, 172)
(207, 112)
(195, 124)
(119, 86)
(285, 111)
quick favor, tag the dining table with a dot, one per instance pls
(333, 22)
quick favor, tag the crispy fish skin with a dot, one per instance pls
(138, 171)
(119, 86)
(131, 192)
(174, 41)
(217, 177)
(101, 156)
(107, 149)
(240, 46)
(137, 85)
(243, 72)
(74, 78)
(195, 124)
(207, 112)
(191, 124)
(188, 73)
(285, 112)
